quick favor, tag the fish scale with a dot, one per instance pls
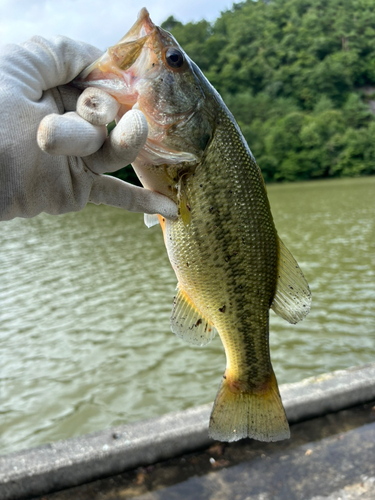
(252, 251)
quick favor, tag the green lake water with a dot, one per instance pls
(85, 300)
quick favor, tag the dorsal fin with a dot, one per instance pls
(188, 323)
(292, 298)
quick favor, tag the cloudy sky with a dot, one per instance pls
(99, 22)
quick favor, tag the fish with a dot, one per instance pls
(231, 266)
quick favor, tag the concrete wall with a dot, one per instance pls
(75, 461)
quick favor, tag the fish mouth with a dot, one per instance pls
(123, 55)
(139, 52)
(136, 73)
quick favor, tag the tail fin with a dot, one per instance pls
(258, 415)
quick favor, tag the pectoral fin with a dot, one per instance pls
(292, 298)
(188, 323)
(151, 220)
(184, 210)
(184, 207)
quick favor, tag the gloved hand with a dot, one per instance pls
(33, 80)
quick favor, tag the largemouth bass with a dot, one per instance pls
(230, 264)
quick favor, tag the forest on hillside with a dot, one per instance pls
(298, 77)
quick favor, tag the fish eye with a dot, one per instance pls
(174, 58)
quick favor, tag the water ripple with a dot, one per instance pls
(85, 301)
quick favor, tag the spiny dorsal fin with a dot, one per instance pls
(188, 323)
(292, 298)
(151, 220)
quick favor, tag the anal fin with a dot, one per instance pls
(292, 300)
(188, 323)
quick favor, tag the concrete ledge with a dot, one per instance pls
(75, 461)
(330, 392)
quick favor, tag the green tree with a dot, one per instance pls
(292, 73)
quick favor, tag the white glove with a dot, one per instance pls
(33, 80)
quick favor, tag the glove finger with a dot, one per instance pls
(97, 107)
(122, 145)
(47, 63)
(117, 193)
(69, 135)
(69, 96)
